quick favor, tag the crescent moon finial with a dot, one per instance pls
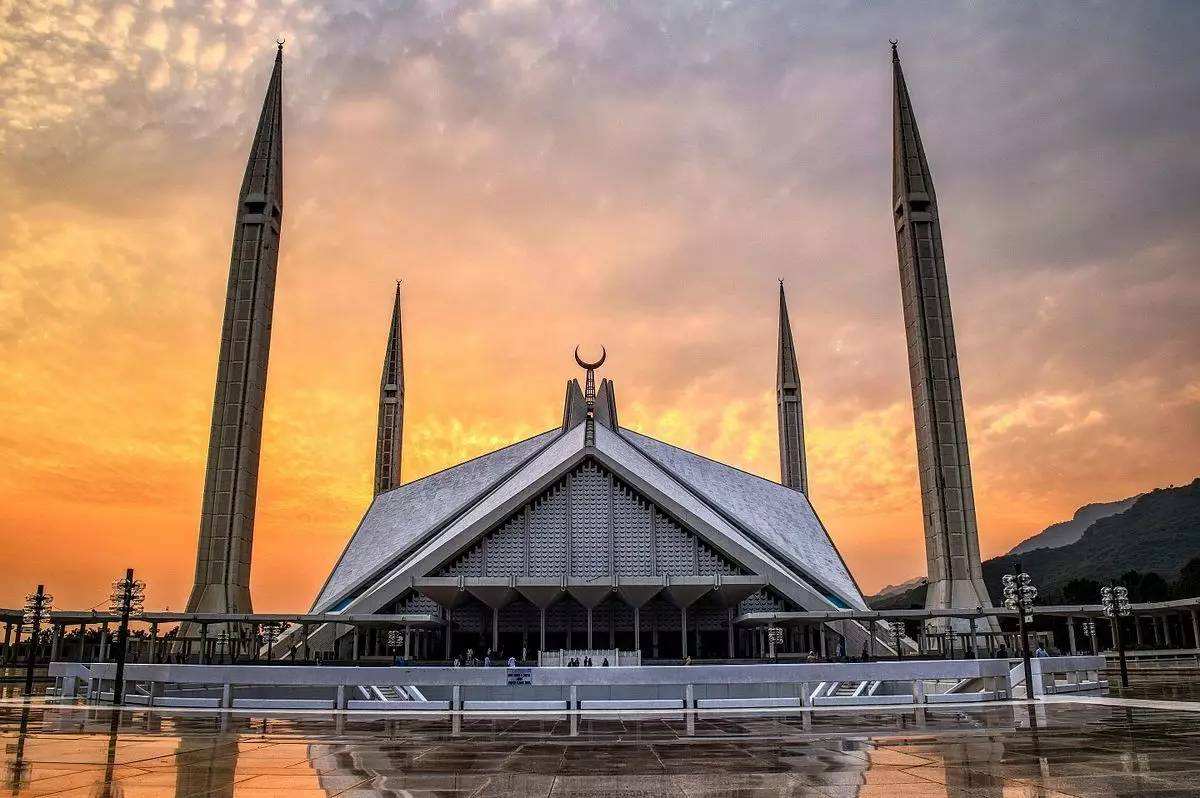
(590, 366)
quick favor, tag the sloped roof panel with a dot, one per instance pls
(398, 518)
(778, 516)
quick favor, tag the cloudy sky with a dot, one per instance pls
(546, 174)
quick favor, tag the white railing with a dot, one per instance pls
(1056, 675)
(685, 687)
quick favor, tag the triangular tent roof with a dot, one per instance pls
(409, 531)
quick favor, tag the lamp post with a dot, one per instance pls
(1115, 600)
(128, 599)
(898, 632)
(1089, 629)
(1019, 594)
(270, 629)
(37, 607)
(395, 639)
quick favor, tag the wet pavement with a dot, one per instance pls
(1072, 748)
(1069, 749)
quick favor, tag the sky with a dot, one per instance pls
(541, 175)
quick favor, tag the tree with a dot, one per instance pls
(1154, 588)
(1081, 591)
(1188, 584)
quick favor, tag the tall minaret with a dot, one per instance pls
(793, 469)
(231, 478)
(951, 536)
(389, 440)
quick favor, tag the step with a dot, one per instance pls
(522, 706)
(400, 706)
(282, 703)
(632, 703)
(747, 703)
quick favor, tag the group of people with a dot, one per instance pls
(469, 660)
(586, 662)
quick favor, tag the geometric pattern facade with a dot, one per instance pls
(589, 526)
(222, 580)
(947, 498)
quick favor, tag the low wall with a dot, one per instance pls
(723, 683)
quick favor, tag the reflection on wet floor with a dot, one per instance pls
(1073, 749)
(1059, 749)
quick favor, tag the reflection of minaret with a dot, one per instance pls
(389, 440)
(231, 477)
(947, 499)
(793, 470)
(205, 765)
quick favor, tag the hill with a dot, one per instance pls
(1067, 532)
(1159, 533)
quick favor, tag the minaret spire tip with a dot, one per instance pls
(895, 55)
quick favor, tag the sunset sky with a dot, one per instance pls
(541, 175)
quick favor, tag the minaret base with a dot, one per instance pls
(964, 594)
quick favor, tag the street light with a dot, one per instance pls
(395, 639)
(1019, 594)
(1089, 629)
(37, 607)
(897, 633)
(128, 599)
(1115, 600)
(270, 629)
(774, 639)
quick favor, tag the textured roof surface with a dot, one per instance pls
(393, 535)
(780, 517)
(529, 472)
(399, 517)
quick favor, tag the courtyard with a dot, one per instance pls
(1145, 743)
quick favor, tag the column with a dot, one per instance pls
(541, 628)
(153, 642)
(104, 642)
(354, 642)
(729, 632)
(304, 639)
(1166, 632)
(821, 639)
(449, 634)
(1195, 629)
(6, 655)
(1137, 630)
(589, 628)
(1071, 635)
(974, 639)
(637, 629)
(203, 643)
(683, 632)
(496, 630)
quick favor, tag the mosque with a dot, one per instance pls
(589, 535)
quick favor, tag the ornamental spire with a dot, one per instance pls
(793, 468)
(389, 439)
